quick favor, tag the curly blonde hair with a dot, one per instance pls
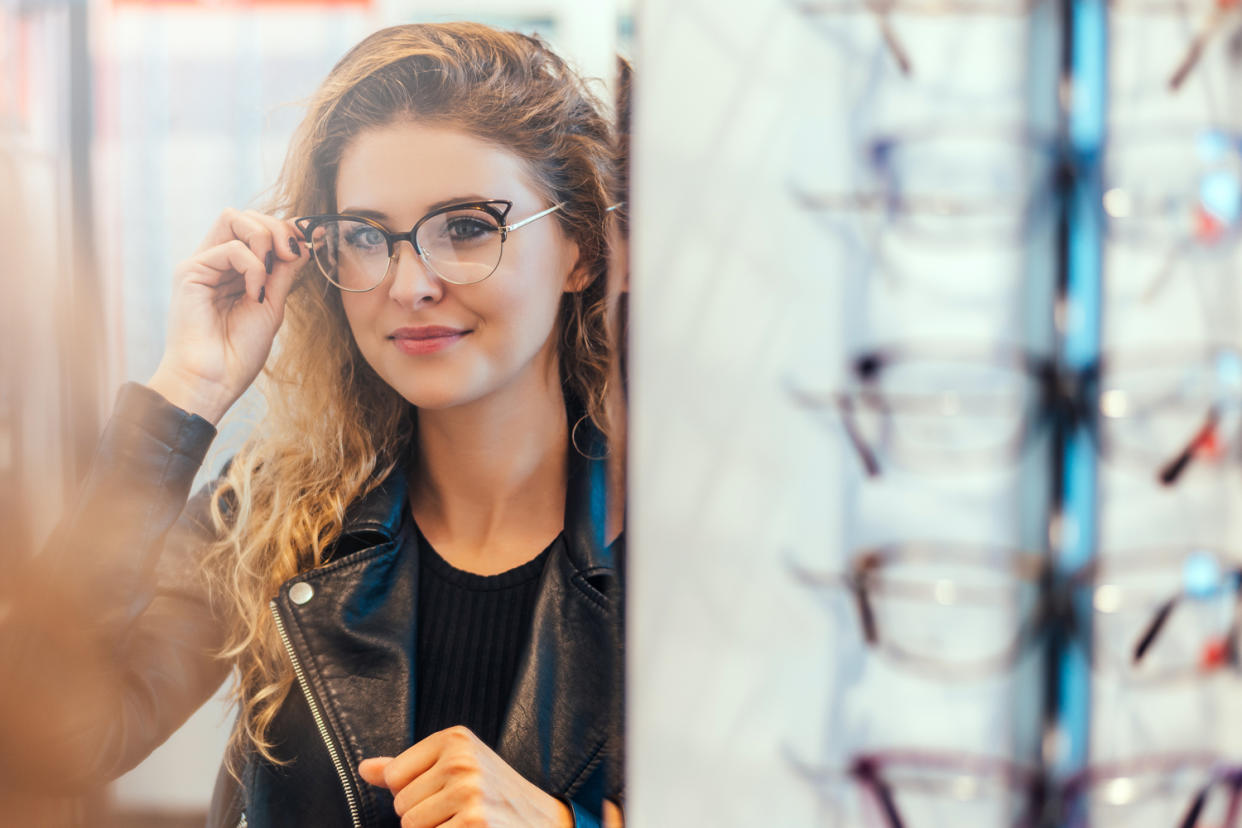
(333, 429)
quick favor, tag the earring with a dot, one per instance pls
(573, 438)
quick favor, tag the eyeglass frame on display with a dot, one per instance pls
(883, 9)
(1043, 187)
(1043, 798)
(1062, 397)
(1054, 608)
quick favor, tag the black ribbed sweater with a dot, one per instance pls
(472, 630)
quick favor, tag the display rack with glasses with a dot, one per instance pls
(1114, 380)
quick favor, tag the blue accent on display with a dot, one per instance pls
(1088, 113)
(1201, 575)
(1221, 196)
(1086, 128)
(1212, 144)
(1228, 370)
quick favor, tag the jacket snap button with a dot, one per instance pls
(301, 592)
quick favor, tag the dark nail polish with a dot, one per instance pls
(263, 292)
(268, 260)
(293, 245)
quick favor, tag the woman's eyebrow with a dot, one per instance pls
(380, 215)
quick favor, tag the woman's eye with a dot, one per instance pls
(365, 237)
(467, 228)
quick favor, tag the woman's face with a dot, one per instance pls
(503, 327)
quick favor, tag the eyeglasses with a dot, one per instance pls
(1216, 18)
(1215, 21)
(460, 243)
(961, 612)
(910, 789)
(1180, 191)
(946, 409)
(945, 192)
(815, 11)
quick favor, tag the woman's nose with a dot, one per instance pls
(413, 283)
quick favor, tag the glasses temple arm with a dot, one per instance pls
(885, 796)
(1153, 629)
(869, 461)
(1231, 815)
(892, 41)
(1171, 471)
(508, 228)
(1195, 52)
(1196, 807)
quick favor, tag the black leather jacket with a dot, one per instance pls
(348, 628)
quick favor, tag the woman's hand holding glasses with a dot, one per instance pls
(227, 305)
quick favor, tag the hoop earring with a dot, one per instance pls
(573, 439)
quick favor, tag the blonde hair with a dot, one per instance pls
(333, 429)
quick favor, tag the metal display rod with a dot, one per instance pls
(1077, 316)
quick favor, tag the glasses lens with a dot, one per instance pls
(1157, 794)
(945, 414)
(955, 615)
(935, 792)
(461, 246)
(956, 188)
(352, 254)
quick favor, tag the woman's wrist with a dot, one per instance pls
(191, 394)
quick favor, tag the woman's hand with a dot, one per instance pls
(228, 302)
(452, 778)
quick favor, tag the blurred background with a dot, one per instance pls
(126, 126)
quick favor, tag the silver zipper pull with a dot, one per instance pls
(241, 823)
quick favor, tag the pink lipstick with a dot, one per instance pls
(426, 339)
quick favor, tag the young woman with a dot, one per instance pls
(411, 566)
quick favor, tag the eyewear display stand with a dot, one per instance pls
(1077, 314)
(1016, 408)
(958, 396)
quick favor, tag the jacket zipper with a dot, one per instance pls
(350, 799)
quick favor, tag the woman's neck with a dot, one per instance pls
(488, 489)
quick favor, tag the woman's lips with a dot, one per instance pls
(426, 340)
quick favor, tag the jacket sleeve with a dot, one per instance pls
(123, 568)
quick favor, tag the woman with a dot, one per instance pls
(412, 564)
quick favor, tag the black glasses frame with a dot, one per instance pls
(497, 209)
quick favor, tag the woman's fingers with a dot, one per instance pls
(372, 770)
(266, 259)
(262, 233)
(284, 236)
(218, 266)
(236, 224)
(418, 789)
(280, 283)
(441, 808)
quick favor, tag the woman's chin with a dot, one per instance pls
(435, 398)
